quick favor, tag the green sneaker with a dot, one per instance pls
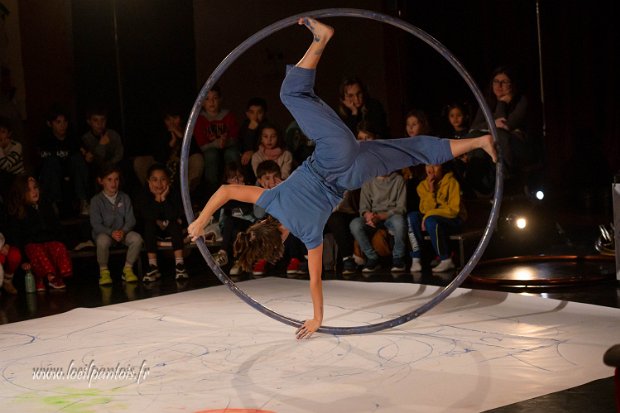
(104, 277)
(129, 276)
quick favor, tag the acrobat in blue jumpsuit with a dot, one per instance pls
(304, 201)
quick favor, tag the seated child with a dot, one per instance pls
(382, 204)
(161, 211)
(236, 217)
(271, 148)
(441, 214)
(216, 134)
(269, 176)
(11, 157)
(112, 221)
(101, 148)
(36, 229)
(58, 150)
(10, 258)
(255, 113)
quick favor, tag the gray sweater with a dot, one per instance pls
(112, 153)
(384, 194)
(106, 217)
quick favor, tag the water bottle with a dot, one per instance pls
(30, 283)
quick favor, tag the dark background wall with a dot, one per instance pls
(165, 50)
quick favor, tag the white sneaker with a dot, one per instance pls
(358, 260)
(416, 266)
(235, 269)
(152, 274)
(444, 265)
(85, 244)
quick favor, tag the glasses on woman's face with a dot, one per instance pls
(497, 82)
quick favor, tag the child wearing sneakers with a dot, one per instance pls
(112, 221)
(382, 205)
(36, 230)
(269, 176)
(441, 213)
(160, 210)
(236, 217)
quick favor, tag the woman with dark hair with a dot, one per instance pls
(509, 107)
(356, 106)
(302, 204)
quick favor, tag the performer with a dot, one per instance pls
(302, 203)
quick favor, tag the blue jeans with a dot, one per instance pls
(396, 225)
(438, 229)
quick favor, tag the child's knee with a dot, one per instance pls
(103, 241)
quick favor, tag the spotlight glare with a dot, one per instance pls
(521, 223)
(540, 195)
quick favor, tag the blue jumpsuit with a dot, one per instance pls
(304, 201)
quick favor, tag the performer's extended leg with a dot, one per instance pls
(380, 157)
(336, 146)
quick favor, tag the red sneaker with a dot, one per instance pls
(259, 267)
(293, 266)
(56, 282)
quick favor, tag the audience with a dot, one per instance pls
(382, 205)
(356, 106)
(59, 151)
(235, 217)
(255, 153)
(10, 255)
(11, 157)
(255, 114)
(36, 230)
(159, 208)
(456, 116)
(269, 175)
(101, 148)
(112, 220)
(271, 148)
(509, 107)
(416, 123)
(216, 133)
(441, 214)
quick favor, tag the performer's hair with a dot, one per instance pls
(262, 240)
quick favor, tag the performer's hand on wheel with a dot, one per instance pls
(309, 327)
(196, 229)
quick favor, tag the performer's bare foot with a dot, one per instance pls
(322, 32)
(488, 145)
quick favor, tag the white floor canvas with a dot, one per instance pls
(205, 350)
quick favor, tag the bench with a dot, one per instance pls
(463, 238)
(91, 252)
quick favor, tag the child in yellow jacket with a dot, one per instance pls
(441, 213)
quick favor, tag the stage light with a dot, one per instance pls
(540, 195)
(517, 221)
